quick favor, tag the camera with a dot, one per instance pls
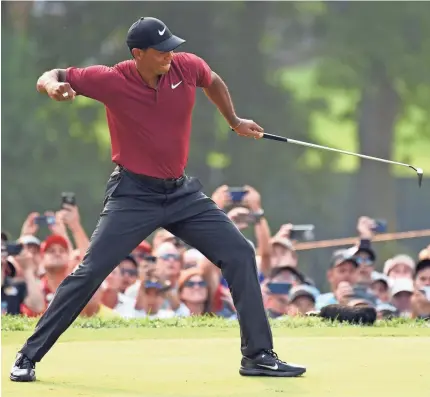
(237, 194)
(380, 226)
(303, 232)
(11, 249)
(44, 220)
(68, 198)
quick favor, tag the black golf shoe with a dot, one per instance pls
(267, 363)
(23, 369)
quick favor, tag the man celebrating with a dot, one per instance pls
(149, 102)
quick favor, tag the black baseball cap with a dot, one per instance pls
(149, 32)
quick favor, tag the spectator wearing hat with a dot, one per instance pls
(17, 293)
(283, 252)
(401, 294)
(400, 266)
(420, 300)
(32, 244)
(143, 255)
(55, 261)
(277, 287)
(303, 298)
(380, 287)
(341, 275)
(194, 292)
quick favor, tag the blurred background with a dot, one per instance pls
(351, 75)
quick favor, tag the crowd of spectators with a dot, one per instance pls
(164, 277)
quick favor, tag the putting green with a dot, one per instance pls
(341, 362)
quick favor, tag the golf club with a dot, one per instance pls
(419, 171)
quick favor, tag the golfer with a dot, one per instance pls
(149, 102)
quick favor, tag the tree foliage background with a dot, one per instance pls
(349, 74)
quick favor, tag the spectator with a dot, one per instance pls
(364, 254)
(95, 307)
(55, 261)
(169, 262)
(400, 266)
(283, 252)
(143, 255)
(303, 298)
(162, 236)
(151, 296)
(386, 311)
(248, 212)
(129, 272)
(277, 288)
(380, 287)
(15, 294)
(32, 244)
(421, 297)
(75, 259)
(192, 258)
(401, 293)
(142, 250)
(194, 291)
(342, 275)
(113, 298)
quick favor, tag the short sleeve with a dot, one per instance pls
(92, 82)
(199, 69)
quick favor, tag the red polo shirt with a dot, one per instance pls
(149, 128)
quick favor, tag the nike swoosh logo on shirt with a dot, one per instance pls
(274, 367)
(161, 32)
(175, 85)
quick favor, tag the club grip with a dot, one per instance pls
(275, 137)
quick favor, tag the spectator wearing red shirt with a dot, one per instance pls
(149, 102)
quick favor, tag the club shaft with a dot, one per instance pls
(312, 145)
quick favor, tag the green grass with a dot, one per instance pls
(200, 358)
(409, 146)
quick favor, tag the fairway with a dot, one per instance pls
(126, 362)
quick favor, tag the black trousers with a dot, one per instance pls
(134, 206)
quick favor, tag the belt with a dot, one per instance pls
(169, 183)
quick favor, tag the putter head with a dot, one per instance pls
(420, 176)
(419, 172)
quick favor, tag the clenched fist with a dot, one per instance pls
(60, 91)
(249, 129)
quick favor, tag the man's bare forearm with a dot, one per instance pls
(262, 234)
(34, 300)
(52, 76)
(218, 93)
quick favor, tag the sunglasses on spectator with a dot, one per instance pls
(166, 257)
(130, 272)
(192, 284)
(145, 256)
(364, 261)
